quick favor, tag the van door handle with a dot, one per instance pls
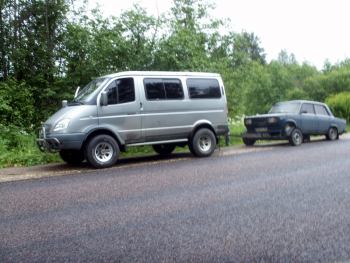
(141, 106)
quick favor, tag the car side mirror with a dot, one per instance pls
(303, 112)
(104, 98)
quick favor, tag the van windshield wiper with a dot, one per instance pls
(75, 103)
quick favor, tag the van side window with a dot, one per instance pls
(203, 88)
(163, 89)
(121, 91)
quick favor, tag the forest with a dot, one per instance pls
(49, 47)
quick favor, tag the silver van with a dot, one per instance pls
(162, 109)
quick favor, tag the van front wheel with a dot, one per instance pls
(203, 143)
(102, 151)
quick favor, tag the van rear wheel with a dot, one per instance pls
(102, 151)
(203, 143)
(73, 157)
(164, 149)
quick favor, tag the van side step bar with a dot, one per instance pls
(157, 142)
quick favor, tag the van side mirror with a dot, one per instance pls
(303, 112)
(104, 99)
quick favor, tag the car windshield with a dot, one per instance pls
(88, 91)
(285, 108)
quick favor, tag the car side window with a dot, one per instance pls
(307, 108)
(321, 110)
(121, 91)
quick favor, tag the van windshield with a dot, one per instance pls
(88, 92)
(285, 108)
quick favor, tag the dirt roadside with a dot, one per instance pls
(62, 169)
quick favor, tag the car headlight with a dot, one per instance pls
(61, 125)
(272, 120)
(248, 122)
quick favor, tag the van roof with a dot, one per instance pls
(163, 73)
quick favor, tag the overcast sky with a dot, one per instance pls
(314, 30)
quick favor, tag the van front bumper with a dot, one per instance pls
(57, 142)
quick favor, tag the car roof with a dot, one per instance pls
(302, 101)
(163, 73)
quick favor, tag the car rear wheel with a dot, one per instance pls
(164, 149)
(332, 134)
(203, 143)
(102, 151)
(73, 157)
(248, 142)
(296, 137)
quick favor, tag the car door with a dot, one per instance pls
(309, 120)
(122, 114)
(324, 118)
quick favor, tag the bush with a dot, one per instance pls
(340, 104)
(18, 148)
(16, 104)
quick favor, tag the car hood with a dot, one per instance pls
(280, 115)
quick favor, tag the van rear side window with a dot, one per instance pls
(163, 89)
(203, 88)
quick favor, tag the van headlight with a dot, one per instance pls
(61, 125)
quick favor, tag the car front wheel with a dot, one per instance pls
(332, 134)
(296, 137)
(248, 142)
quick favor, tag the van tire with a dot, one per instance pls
(73, 157)
(203, 143)
(164, 149)
(102, 151)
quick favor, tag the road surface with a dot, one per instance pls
(264, 204)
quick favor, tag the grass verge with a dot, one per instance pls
(18, 148)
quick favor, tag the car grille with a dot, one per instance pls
(259, 122)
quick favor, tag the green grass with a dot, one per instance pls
(18, 148)
(23, 151)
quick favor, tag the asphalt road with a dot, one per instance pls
(275, 204)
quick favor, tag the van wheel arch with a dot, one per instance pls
(203, 126)
(102, 132)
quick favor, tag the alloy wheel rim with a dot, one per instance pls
(205, 143)
(104, 152)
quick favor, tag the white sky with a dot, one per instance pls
(314, 30)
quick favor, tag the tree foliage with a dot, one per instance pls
(48, 48)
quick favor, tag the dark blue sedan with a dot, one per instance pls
(294, 121)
